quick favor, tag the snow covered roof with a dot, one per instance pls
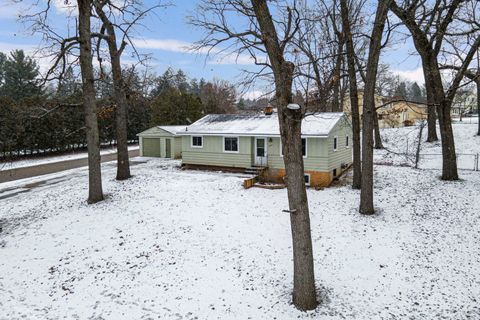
(160, 131)
(319, 124)
(173, 129)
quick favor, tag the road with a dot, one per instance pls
(38, 170)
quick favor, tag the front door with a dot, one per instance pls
(261, 152)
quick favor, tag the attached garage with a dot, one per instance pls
(161, 141)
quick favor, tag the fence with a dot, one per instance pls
(465, 161)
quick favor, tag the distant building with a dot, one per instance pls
(392, 111)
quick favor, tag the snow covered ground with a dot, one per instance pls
(50, 159)
(173, 244)
(401, 145)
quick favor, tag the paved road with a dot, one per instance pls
(38, 170)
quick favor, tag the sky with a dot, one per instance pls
(166, 36)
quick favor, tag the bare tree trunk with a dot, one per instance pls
(419, 145)
(366, 195)
(353, 89)
(478, 101)
(336, 103)
(376, 127)
(304, 294)
(123, 164)
(449, 156)
(95, 192)
(431, 113)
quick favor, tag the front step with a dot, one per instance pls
(254, 170)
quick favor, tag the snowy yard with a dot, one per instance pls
(173, 244)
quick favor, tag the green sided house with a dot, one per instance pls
(161, 141)
(252, 142)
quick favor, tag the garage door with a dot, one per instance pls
(151, 147)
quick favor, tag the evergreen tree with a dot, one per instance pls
(20, 74)
(415, 93)
(174, 107)
(401, 90)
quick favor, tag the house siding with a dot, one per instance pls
(160, 136)
(343, 154)
(212, 154)
(316, 159)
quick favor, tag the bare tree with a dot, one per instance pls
(95, 192)
(366, 196)
(430, 24)
(115, 52)
(270, 36)
(353, 92)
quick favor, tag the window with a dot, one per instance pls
(230, 144)
(334, 172)
(307, 179)
(304, 147)
(197, 141)
(346, 142)
(335, 139)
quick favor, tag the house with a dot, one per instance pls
(464, 104)
(392, 111)
(396, 113)
(161, 141)
(239, 142)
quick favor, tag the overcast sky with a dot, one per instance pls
(167, 35)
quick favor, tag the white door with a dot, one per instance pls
(261, 152)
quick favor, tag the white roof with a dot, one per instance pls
(318, 125)
(173, 129)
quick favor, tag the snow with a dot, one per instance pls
(319, 124)
(175, 244)
(402, 144)
(51, 159)
(173, 129)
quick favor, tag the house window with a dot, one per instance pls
(346, 142)
(307, 179)
(334, 172)
(230, 144)
(304, 148)
(197, 141)
(335, 143)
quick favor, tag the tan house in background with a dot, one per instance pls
(392, 112)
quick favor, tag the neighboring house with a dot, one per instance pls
(392, 112)
(238, 142)
(161, 141)
(396, 113)
(464, 104)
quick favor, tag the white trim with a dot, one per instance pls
(306, 147)
(233, 134)
(335, 143)
(309, 179)
(265, 147)
(238, 144)
(191, 141)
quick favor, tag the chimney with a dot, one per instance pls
(268, 110)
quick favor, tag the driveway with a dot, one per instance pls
(38, 170)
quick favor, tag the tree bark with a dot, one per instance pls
(304, 294)
(123, 164)
(478, 102)
(95, 192)
(366, 195)
(376, 128)
(353, 89)
(431, 113)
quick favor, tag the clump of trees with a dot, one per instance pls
(37, 119)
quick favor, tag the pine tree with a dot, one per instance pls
(20, 74)
(415, 93)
